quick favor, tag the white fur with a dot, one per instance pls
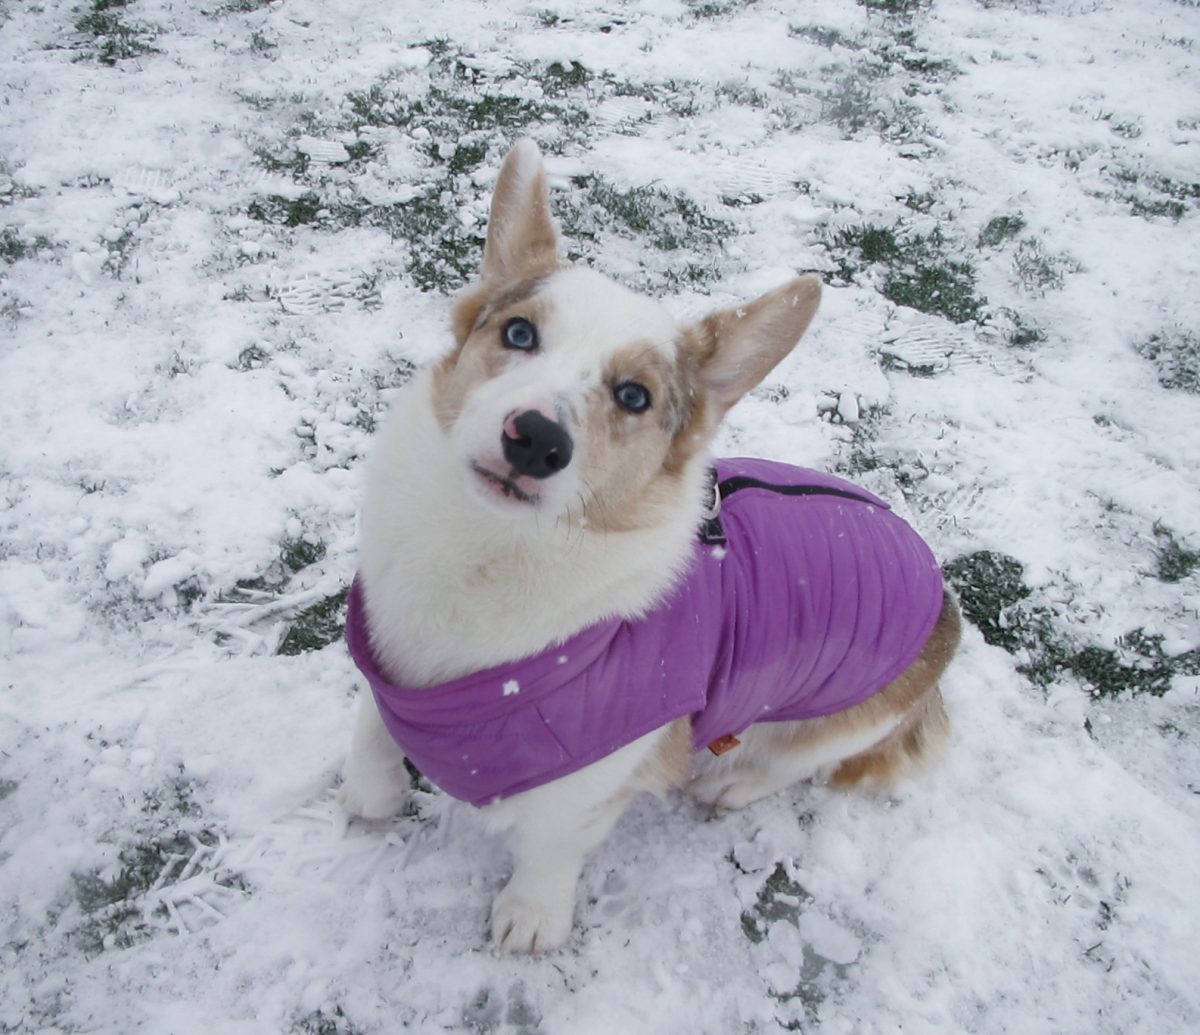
(441, 570)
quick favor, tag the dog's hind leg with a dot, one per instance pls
(873, 743)
(924, 725)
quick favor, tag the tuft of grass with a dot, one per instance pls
(919, 270)
(559, 79)
(242, 6)
(715, 9)
(14, 247)
(114, 38)
(1175, 561)
(294, 556)
(316, 626)
(114, 906)
(823, 36)
(689, 239)
(859, 101)
(1137, 665)
(290, 212)
(1038, 271)
(669, 221)
(1001, 229)
(895, 8)
(1153, 195)
(1176, 356)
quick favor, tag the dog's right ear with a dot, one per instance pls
(522, 240)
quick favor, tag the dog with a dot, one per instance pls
(547, 561)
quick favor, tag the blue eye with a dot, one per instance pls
(631, 396)
(519, 333)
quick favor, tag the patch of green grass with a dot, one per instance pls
(114, 38)
(669, 221)
(297, 554)
(316, 626)
(443, 255)
(294, 556)
(823, 36)
(1137, 665)
(1175, 561)
(1153, 195)
(919, 270)
(896, 8)
(294, 163)
(242, 6)
(865, 99)
(290, 212)
(454, 105)
(559, 79)
(1176, 356)
(689, 239)
(997, 601)
(262, 44)
(463, 117)
(1025, 335)
(716, 9)
(114, 907)
(1037, 270)
(780, 898)
(12, 246)
(176, 797)
(1001, 229)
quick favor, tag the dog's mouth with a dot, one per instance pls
(503, 485)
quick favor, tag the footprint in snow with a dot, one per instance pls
(310, 293)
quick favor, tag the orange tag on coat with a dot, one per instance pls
(723, 744)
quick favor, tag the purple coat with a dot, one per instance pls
(817, 599)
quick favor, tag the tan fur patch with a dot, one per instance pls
(912, 697)
(631, 471)
(481, 354)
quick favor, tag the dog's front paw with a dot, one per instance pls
(529, 924)
(372, 795)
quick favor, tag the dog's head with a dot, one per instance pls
(570, 397)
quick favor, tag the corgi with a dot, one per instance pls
(561, 601)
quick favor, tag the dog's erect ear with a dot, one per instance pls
(734, 349)
(522, 240)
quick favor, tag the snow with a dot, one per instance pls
(186, 388)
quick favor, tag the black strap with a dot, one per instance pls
(712, 533)
(731, 485)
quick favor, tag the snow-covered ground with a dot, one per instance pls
(228, 230)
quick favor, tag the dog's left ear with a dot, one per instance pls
(734, 349)
(522, 239)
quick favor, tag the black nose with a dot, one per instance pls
(541, 447)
